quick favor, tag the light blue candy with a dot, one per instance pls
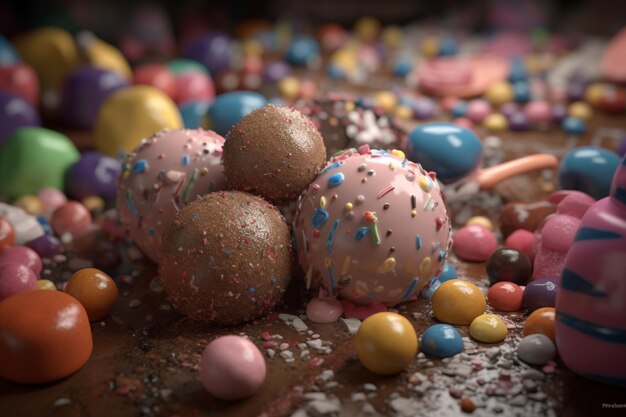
(402, 66)
(427, 293)
(588, 169)
(451, 151)
(335, 72)
(459, 109)
(442, 341)
(228, 109)
(574, 126)
(518, 71)
(8, 54)
(303, 51)
(521, 91)
(193, 113)
(448, 272)
(448, 47)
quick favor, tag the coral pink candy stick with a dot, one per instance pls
(487, 178)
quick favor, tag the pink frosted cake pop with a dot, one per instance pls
(161, 176)
(372, 227)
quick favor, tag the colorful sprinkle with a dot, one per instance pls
(328, 264)
(439, 222)
(409, 290)
(322, 202)
(330, 240)
(348, 207)
(387, 265)
(361, 233)
(190, 183)
(413, 213)
(140, 166)
(418, 242)
(331, 167)
(398, 153)
(428, 202)
(425, 266)
(346, 265)
(425, 183)
(320, 216)
(375, 235)
(413, 202)
(370, 216)
(336, 179)
(385, 191)
(185, 160)
(129, 203)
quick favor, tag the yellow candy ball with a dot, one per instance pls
(580, 110)
(488, 328)
(403, 112)
(594, 93)
(45, 284)
(103, 55)
(430, 46)
(132, 114)
(367, 28)
(499, 93)
(386, 100)
(252, 47)
(386, 343)
(495, 122)
(30, 204)
(392, 36)
(94, 203)
(458, 302)
(289, 87)
(481, 220)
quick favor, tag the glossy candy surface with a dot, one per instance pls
(541, 321)
(15, 112)
(72, 217)
(588, 169)
(95, 174)
(474, 243)
(488, 328)
(22, 255)
(540, 293)
(229, 108)
(232, 368)
(15, 278)
(44, 336)
(505, 296)
(7, 234)
(442, 341)
(386, 343)
(507, 264)
(95, 290)
(536, 349)
(458, 302)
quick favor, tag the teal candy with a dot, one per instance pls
(589, 169)
(181, 66)
(8, 54)
(33, 158)
(442, 341)
(448, 272)
(193, 113)
(229, 108)
(451, 151)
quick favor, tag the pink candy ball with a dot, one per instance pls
(324, 310)
(23, 256)
(538, 111)
(474, 243)
(522, 240)
(72, 217)
(14, 278)
(194, 86)
(478, 110)
(51, 199)
(232, 368)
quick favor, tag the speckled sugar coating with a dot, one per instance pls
(226, 259)
(372, 227)
(274, 152)
(162, 175)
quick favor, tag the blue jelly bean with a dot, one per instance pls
(442, 341)
(588, 169)
(451, 151)
(573, 126)
(193, 113)
(228, 109)
(448, 272)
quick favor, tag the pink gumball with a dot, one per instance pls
(51, 199)
(72, 217)
(478, 110)
(194, 86)
(464, 122)
(474, 243)
(522, 240)
(232, 368)
(22, 255)
(14, 278)
(538, 111)
(157, 75)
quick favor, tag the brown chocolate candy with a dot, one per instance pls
(524, 215)
(227, 258)
(274, 152)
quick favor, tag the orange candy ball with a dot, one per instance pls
(458, 302)
(95, 290)
(541, 321)
(44, 336)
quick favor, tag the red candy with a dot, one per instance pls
(522, 240)
(72, 217)
(505, 296)
(158, 76)
(7, 234)
(474, 243)
(22, 255)
(194, 86)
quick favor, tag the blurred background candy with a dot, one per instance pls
(15, 112)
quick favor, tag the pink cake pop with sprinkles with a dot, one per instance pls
(591, 303)
(372, 227)
(161, 176)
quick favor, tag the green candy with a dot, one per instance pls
(181, 66)
(33, 158)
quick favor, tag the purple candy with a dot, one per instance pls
(93, 174)
(46, 246)
(84, 91)
(424, 108)
(22, 255)
(213, 49)
(15, 112)
(559, 113)
(275, 71)
(540, 293)
(508, 109)
(518, 121)
(576, 91)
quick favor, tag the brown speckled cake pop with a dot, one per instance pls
(274, 152)
(226, 259)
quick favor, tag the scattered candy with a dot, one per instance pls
(447, 273)
(22, 255)
(505, 296)
(523, 241)
(7, 234)
(95, 290)
(482, 221)
(45, 284)
(72, 218)
(507, 264)
(442, 341)
(541, 321)
(474, 243)
(46, 337)
(536, 349)
(588, 169)
(488, 328)
(540, 293)
(228, 109)
(386, 343)
(458, 302)
(15, 278)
